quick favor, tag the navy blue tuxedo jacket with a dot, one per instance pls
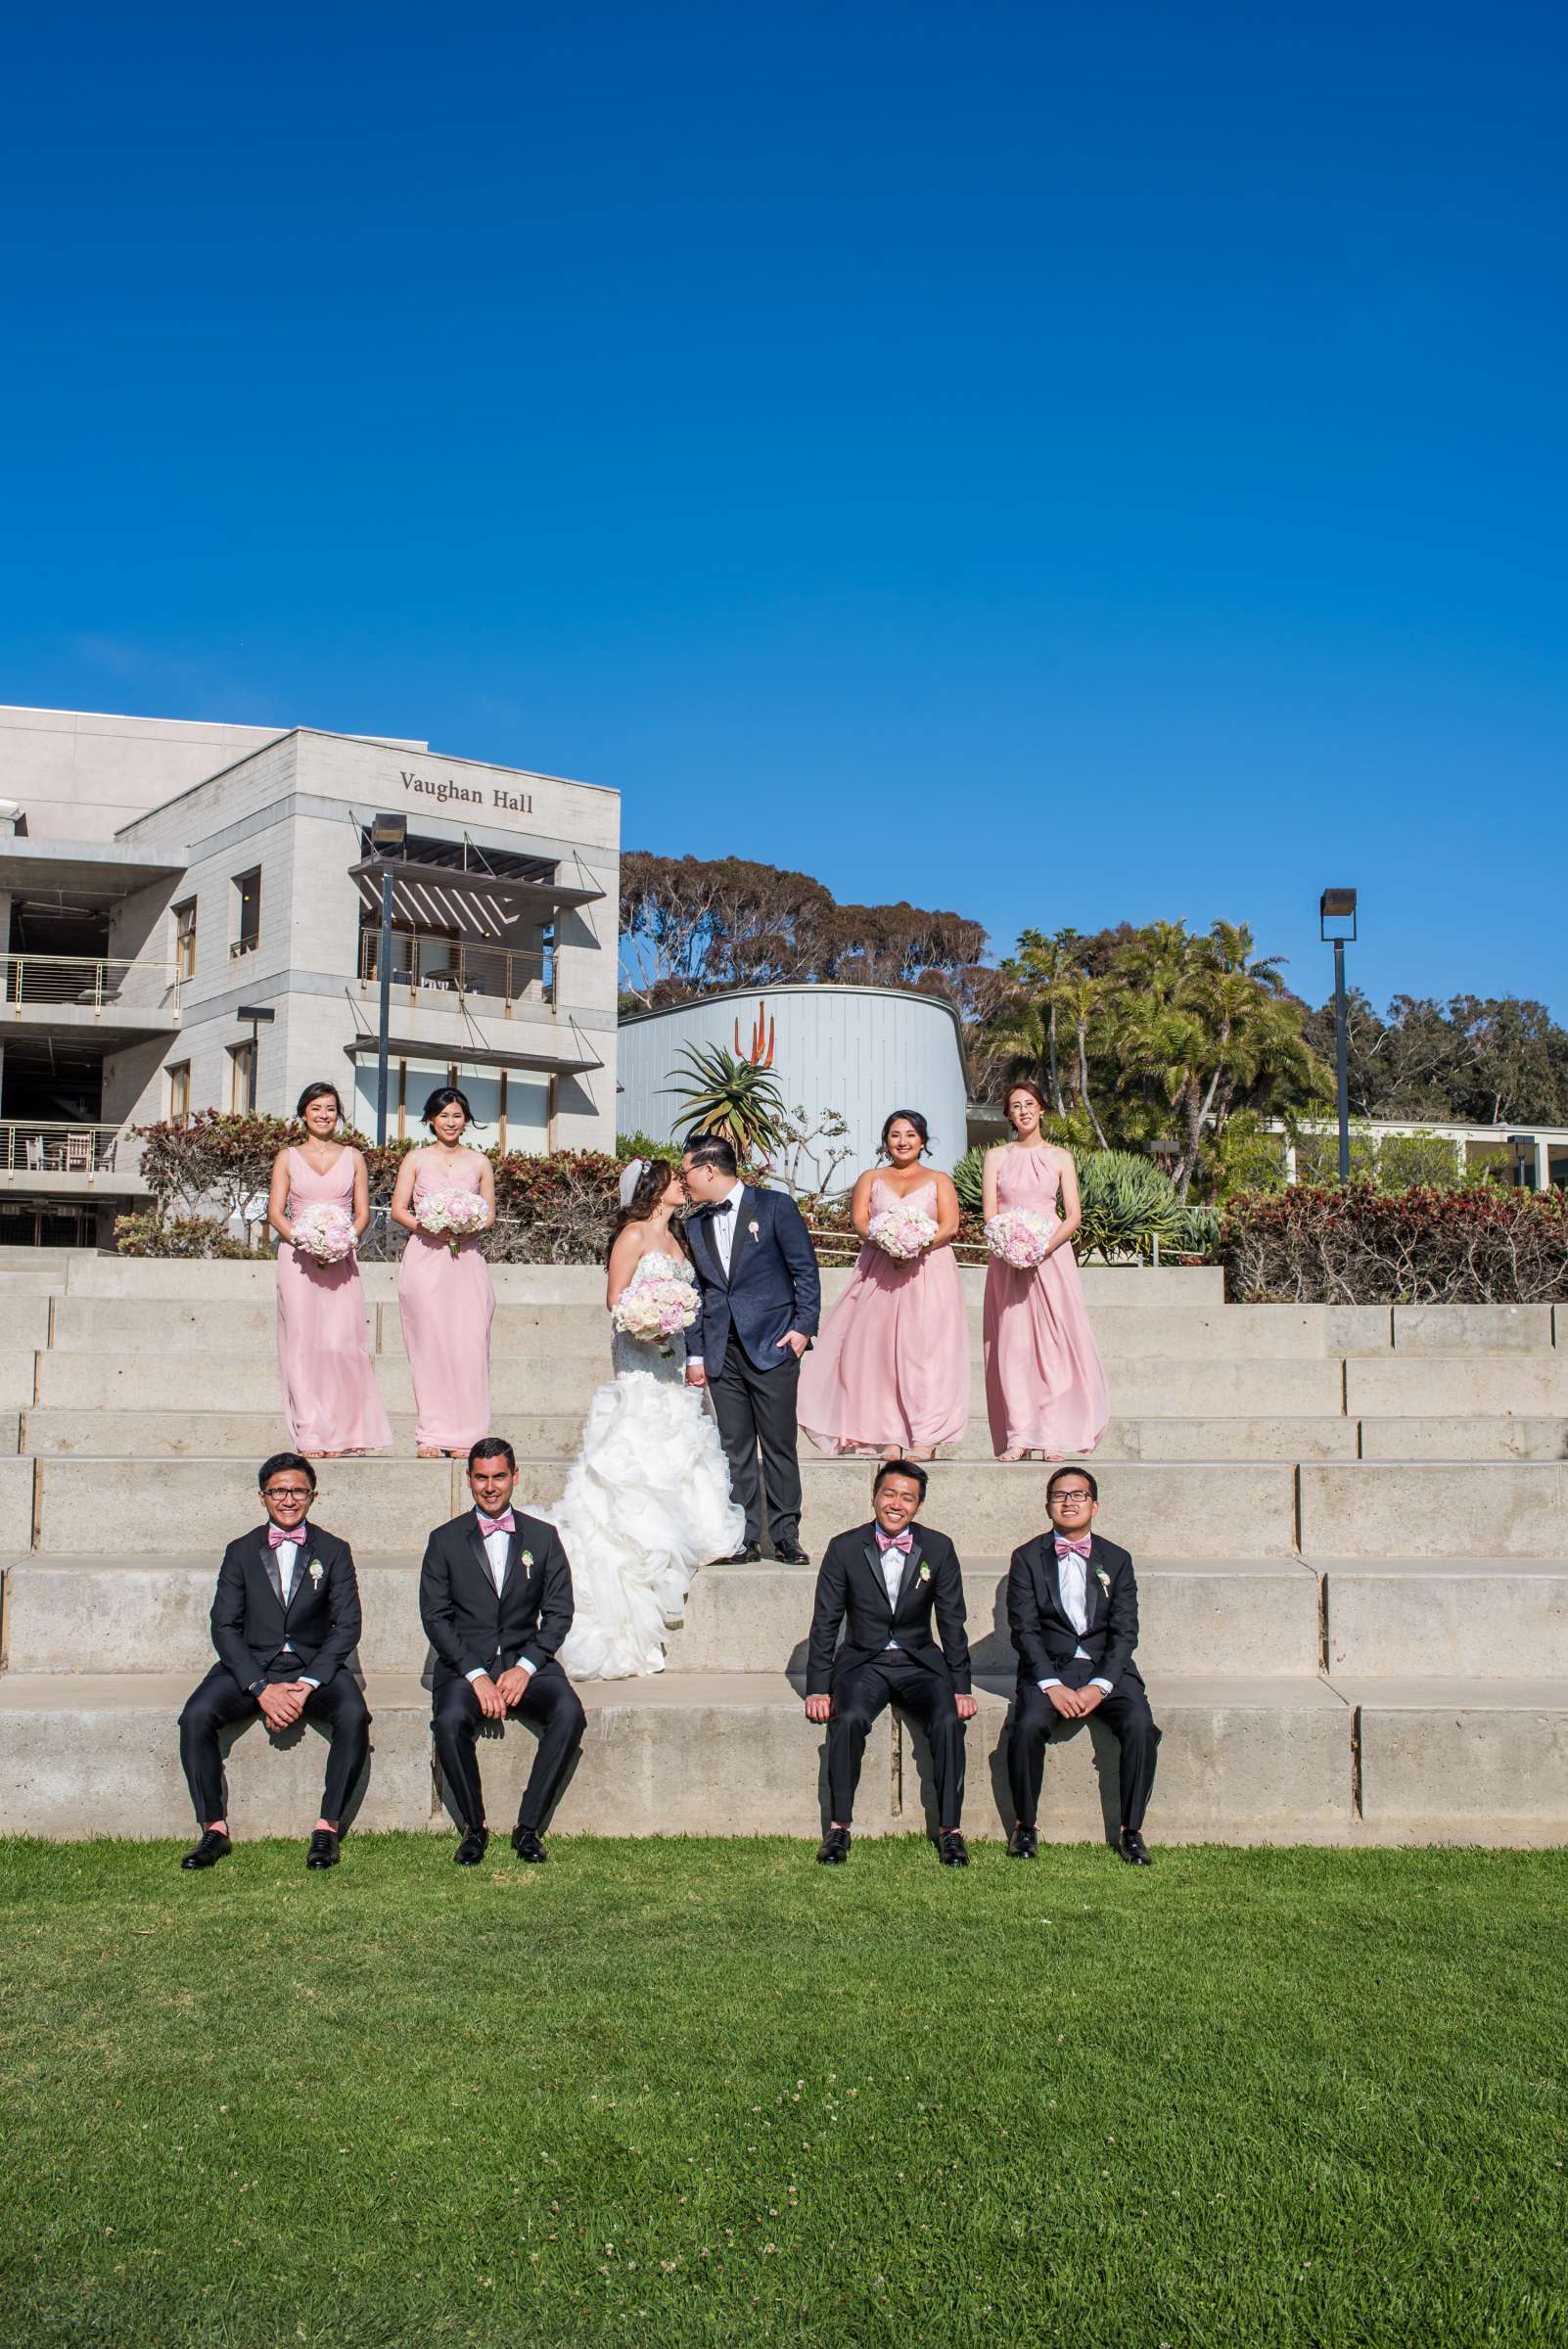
(773, 1283)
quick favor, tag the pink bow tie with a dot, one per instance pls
(277, 1537)
(903, 1542)
(1079, 1550)
(504, 1524)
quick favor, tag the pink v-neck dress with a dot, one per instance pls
(892, 1363)
(1045, 1382)
(446, 1303)
(329, 1396)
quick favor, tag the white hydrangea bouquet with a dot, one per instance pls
(1020, 1238)
(451, 1216)
(655, 1308)
(325, 1232)
(902, 1232)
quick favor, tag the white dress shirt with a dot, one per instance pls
(287, 1554)
(892, 1562)
(496, 1550)
(1072, 1572)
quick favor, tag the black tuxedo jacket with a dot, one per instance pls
(774, 1282)
(320, 1623)
(850, 1590)
(473, 1627)
(1042, 1635)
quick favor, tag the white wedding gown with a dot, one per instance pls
(647, 1501)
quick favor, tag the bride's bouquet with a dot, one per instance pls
(1018, 1237)
(655, 1308)
(902, 1232)
(451, 1216)
(325, 1232)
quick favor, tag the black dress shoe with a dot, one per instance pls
(952, 1849)
(789, 1553)
(323, 1848)
(1023, 1843)
(527, 1845)
(835, 1848)
(212, 1847)
(749, 1554)
(1133, 1849)
(470, 1851)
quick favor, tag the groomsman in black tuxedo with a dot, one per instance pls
(882, 1580)
(496, 1600)
(1073, 1610)
(285, 1623)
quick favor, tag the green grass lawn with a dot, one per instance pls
(709, 2092)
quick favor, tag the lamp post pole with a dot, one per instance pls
(1338, 905)
(385, 1007)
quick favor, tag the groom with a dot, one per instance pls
(762, 1301)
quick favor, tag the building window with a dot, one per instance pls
(179, 1089)
(185, 940)
(247, 912)
(242, 1063)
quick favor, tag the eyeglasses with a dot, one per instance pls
(1068, 1499)
(286, 1492)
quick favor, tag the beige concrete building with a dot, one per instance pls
(158, 879)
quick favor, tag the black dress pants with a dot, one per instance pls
(340, 1706)
(550, 1700)
(1124, 1713)
(867, 1690)
(755, 1409)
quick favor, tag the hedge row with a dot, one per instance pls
(1362, 1246)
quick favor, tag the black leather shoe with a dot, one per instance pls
(1023, 1843)
(209, 1851)
(952, 1849)
(1133, 1849)
(749, 1554)
(835, 1848)
(470, 1851)
(527, 1845)
(323, 1848)
(789, 1553)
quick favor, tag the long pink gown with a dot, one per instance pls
(330, 1395)
(1045, 1381)
(892, 1363)
(446, 1303)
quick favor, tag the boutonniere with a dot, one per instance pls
(527, 1557)
(1103, 1579)
(925, 1574)
(318, 1569)
(755, 1228)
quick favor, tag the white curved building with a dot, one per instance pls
(859, 1050)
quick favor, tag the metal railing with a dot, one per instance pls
(36, 982)
(32, 1146)
(497, 976)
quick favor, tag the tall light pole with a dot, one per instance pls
(259, 1015)
(1337, 906)
(388, 835)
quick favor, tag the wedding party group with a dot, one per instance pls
(720, 1357)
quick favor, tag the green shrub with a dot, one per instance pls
(967, 1178)
(644, 1145)
(1127, 1203)
(205, 1236)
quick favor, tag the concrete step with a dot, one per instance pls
(184, 1382)
(1175, 1508)
(1475, 1438)
(1473, 1619)
(1447, 1387)
(88, 1615)
(1131, 1332)
(1461, 1761)
(60, 1434)
(1433, 1509)
(1242, 1761)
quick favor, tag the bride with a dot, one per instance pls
(648, 1500)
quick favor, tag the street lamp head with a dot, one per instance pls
(388, 834)
(1337, 906)
(259, 1014)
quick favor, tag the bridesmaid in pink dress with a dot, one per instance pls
(446, 1298)
(1045, 1382)
(329, 1396)
(890, 1371)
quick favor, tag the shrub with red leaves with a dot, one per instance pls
(1361, 1246)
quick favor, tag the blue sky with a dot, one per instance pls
(1064, 463)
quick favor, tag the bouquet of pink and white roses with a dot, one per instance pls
(902, 1232)
(658, 1306)
(1020, 1238)
(325, 1232)
(451, 1216)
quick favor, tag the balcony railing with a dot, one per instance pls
(36, 982)
(34, 1147)
(492, 978)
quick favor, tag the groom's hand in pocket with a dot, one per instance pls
(491, 1703)
(792, 1339)
(819, 1708)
